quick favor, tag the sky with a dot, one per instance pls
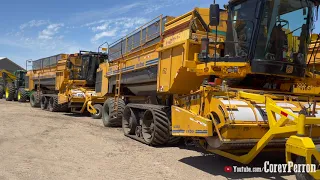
(36, 29)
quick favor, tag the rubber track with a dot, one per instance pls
(161, 123)
(24, 96)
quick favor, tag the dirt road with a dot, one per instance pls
(36, 144)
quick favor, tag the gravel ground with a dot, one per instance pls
(36, 144)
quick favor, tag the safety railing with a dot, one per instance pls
(145, 35)
(46, 62)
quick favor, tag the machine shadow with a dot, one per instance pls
(215, 164)
(76, 115)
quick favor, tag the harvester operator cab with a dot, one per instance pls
(20, 78)
(271, 35)
(85, 66)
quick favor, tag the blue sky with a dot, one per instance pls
(35, 29)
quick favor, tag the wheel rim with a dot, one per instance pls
(7, 92)
(98, 111)
(148, 126)
(19, 95)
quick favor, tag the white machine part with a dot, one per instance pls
(243, 111)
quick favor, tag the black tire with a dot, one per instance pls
(1, 91)
(53, 105)
(10, 91)
(98, 115)
(300, 175)
(129, 121)
(44, 103)
(155, 127)
(35, 99)
(110, 117)
(22, 95)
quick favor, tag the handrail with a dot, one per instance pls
(315, 46)
(129, 43)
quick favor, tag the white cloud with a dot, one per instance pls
(124, 22)
(101, 27)
(50, 31)
(152, 8)
(110, 33)
(33, 23)
(115, 27)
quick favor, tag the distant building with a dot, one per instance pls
(9, 65)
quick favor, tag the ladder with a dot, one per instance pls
(38, 87)
(118, 83)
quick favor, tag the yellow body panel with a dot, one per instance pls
(11, 77)
(196, 126)
(218, 106)
(103, 69)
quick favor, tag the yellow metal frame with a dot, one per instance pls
(285, 126)
(88, 101)
(302, 146)
(11, 77)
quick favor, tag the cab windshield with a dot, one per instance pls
(241, 19)
(284, 31)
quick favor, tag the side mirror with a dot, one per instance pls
(214, 15)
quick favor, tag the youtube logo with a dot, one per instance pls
(228, 169)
